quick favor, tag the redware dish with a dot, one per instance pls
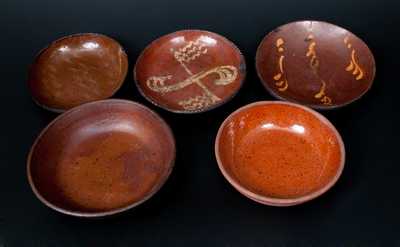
(279, 153)
(77, 69)
(190, 71)
(101, 158)
(316, 64)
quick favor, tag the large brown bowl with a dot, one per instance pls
(101, 158)
(77, 69)
(315, 63)
(279, 153)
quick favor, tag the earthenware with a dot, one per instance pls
(101, 158)
(315, 63)
(279, 153)
(190, 71)
(77, 69)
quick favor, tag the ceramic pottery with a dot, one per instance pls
(77, 69)
(190, 71)
(315, 64)
(279, 153)
(101, 158)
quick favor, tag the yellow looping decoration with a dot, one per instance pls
(281, 84)
(314, 64)
(226, 74)
(353, 67)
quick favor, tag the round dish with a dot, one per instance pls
(77, 69)
(279, 153)
(101, 158)
(190, 71)
(315, 63)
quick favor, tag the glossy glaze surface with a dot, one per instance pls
(190, 71)
(101, 158)
(77, 69)
(279, 153)
(316, 64)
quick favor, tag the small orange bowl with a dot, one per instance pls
(101, 158)
(279, 153)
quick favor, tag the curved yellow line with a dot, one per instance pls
(358, 69)
(279, 42)
(350, 67)
(277, 77)
(326, 100)
(284, 88)
(281, 63)
(311, 50)
(321, 91)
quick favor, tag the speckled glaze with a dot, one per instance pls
(101, 158)
(190, 71)
(316, 64)
(77, 69)
(279, 153)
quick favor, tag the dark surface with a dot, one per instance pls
(197, 207)
(323, 66)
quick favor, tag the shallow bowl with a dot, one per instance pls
(77, 69)
(101, 158)
(279, 153)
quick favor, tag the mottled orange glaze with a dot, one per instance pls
(77, 69)
(101, 157)
(279, 150)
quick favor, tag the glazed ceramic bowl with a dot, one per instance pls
(315, 63)
(279, 153)
(101, 158)
(190, 71)
(77, 69)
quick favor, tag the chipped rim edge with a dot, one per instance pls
(82, 214)
(273, 201)
(314, 106)
(36, 57)
(242, 68)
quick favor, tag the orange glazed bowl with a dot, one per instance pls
(279, 153)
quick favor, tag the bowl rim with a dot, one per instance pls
(69, 36)
(273, 201)
(83, 214)
(242, 69)
(314, 106)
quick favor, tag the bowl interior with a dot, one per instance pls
(100, 157)
(273, 150)
(77, 69)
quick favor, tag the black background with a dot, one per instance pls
(197, 206)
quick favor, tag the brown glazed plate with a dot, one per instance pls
(315, 63)
(190, 71)
(77, 69)
(101, 158)
(279, 153)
